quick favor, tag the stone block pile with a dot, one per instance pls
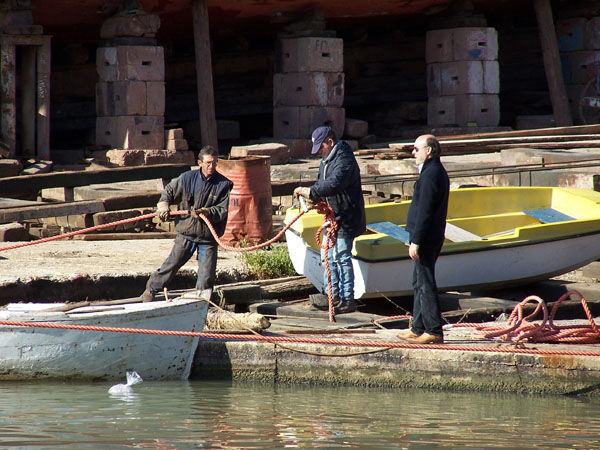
(308, 90)
(130, 95)
(579, 45)
(463, 77)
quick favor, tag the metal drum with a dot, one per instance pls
(250, 218)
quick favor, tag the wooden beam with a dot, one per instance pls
(34, 183)
(558, 94)
(206, 96)
(572, 130)
(9, 215)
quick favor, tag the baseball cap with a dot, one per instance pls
(318, 136)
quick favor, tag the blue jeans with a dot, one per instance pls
(427, 316)
(340, 266)
(182, 251)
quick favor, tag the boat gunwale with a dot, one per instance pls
(496, 246)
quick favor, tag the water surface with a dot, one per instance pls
(179, 415)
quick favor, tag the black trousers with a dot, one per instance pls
(182, 251)
(427, 315)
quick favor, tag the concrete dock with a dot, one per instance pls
(69, 269)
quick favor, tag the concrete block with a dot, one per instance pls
(13, 232)
(355, 128)
(308, 89)
(463, 77)
(10, 167)
(582, 66)
(140, 157)
(299, 148)
(481, 110)
(298, 122)
(121, 98)
(174, 133)
(591, 36)
(130, 132)
(310, 54)
(177, 144)
(143, 63)
(138, 25)
(569, 34)
(441, 111)
(461, 44)
(155, 98)
(517, 156)
(169, 157)
(279, 153)
(228, 129)
(474, 43)
(438, 46)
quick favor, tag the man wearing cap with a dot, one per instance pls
(426, 223)
(338, 183)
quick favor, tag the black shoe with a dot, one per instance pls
(320, 302)
(346, 306)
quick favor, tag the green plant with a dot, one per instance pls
(271, 263)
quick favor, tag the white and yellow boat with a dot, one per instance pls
(494, 237)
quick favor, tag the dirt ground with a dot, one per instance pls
(65, 259)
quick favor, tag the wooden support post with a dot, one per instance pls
(43, 99)
(558, 94)
(8, 111)
(206, 97)
(27, 74)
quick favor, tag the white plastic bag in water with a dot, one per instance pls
(122, 388)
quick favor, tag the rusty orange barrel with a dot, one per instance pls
(250, 217)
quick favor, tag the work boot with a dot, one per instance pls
(345, 306)
(427, 338)
(407, 334)
(147, 296)
(320, 302)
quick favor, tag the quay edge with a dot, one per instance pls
(400, 368)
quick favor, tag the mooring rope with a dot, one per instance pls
(321, 207)
(276, 339)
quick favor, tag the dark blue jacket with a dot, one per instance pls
(193, 189)
(426, 222)
(338, 183)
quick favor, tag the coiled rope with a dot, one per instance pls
(520, 329)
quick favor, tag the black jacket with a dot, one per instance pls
(426, 222)
(338, 183)
(193, 189)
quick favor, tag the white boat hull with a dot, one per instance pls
(484, 268)
(36, 353)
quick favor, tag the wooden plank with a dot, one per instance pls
(123, 236)
(548, 215)
(286, 187)
(551, 57)
(16, 203)
(50, 210)
(573, 130)
(391, 229)
(204, 77)
(34, 183)
(457, 234)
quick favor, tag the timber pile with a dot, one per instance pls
(558, 138)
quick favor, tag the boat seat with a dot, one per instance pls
(458, 234)
(547, 215)
(391, 229)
